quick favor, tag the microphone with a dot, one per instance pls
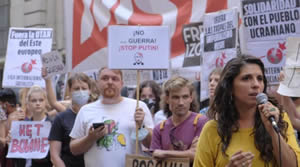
(262, 98)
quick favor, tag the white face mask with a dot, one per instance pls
(80, 97)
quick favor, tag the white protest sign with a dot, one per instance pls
(23, 62)
(266, 26)
(29, 139)
(266, 20)
(53, 63)
(290, 86)
(138, 47)
(220, 43)
(293, 53)
(272, 54)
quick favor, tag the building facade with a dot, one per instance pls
(31, 13)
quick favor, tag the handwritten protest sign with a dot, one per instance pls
(29, 139)
(220, 43)
(140, 161)
(23, 62)
(138, 47)
(290, 86)
(266, 26)
(53, 63)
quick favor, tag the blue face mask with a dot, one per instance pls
(80, 97)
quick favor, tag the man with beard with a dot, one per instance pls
(108, 144)
(177, 136)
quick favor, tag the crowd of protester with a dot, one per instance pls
(232, 131)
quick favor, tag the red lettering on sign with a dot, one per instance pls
(29, 130)
(29, 145)
(44, 144)
(38, 126)
(22, 130)
(14, 146)
(36, 144)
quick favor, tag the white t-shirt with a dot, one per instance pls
(110, 151)
(159, 116)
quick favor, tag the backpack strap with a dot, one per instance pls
(196, 121)
(162, 125)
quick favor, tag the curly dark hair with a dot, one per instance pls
(156, 90)
(223, 110)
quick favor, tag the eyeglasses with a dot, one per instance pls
(177, 144)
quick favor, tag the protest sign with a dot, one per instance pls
(86, 38)
(266, 25)
(23, 62)
(140, 161)
(220, 43)
(290, 86)
(293, 53)
(29, 139)
(193, 45)
(53, 63)
(138, 47)
(270, 20)
(160, 76)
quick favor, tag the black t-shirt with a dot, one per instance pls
(61, 128)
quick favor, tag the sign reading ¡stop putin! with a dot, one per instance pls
(138, 47)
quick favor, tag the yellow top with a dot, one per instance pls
(209, 153)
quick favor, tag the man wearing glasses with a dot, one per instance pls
(178, 135)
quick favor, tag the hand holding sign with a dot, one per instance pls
(139, 117)
(29, 139)
(53, 64)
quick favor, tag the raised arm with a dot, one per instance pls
(2, 134)
(51, 95)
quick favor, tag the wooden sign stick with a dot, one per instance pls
(137, 106)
